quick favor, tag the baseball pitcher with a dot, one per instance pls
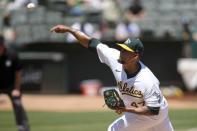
(145, 107)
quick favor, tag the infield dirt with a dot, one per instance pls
(82, 103)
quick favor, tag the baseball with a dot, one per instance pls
(31, 6)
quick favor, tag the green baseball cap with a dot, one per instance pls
(133, 45)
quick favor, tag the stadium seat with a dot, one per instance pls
(24, 34)
(54, 17)
(57, 5)
(37, 16)
(18, 17)
(93, 15)
(39, 33)
(69, 20)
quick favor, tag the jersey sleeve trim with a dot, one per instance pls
(153, 110)
(93, 44)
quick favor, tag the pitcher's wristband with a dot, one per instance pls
(93, 44)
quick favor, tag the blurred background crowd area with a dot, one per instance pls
(102, 19)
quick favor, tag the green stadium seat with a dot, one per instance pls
(39, 33)
(24, 35)
(18, 17)
(54, 17)
(37, 16)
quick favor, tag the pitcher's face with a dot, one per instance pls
(127, 58)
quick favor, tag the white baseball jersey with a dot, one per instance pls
(142, 89)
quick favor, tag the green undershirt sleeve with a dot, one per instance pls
(154, 110)
(93, 44)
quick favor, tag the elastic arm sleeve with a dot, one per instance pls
(93, 44)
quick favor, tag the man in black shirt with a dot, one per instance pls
(10, 82)
(136, 11)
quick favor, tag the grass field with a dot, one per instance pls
(182, 120)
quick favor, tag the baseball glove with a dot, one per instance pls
(113, 100)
